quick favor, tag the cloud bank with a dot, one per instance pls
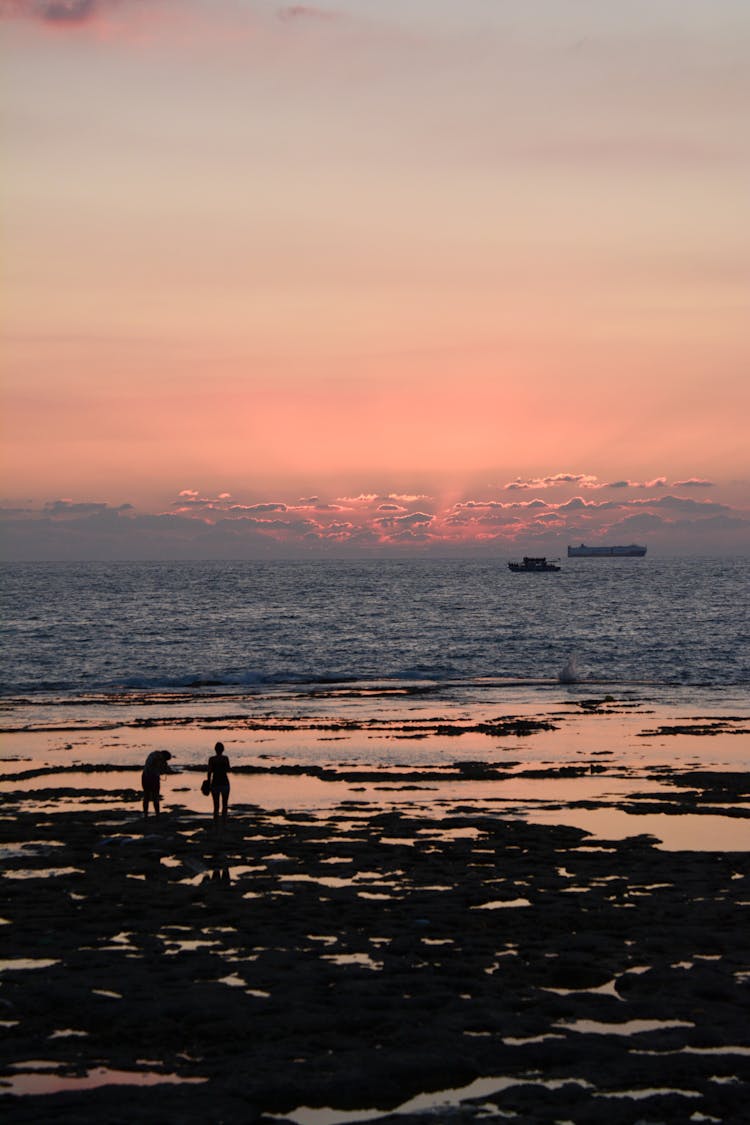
(219, 525)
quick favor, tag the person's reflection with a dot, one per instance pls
(221, 875)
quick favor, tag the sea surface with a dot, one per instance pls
(390, 684)
(73, 628)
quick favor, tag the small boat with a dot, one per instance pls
(532, 566)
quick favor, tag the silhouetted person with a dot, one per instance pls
(155, 765)
(218, 779)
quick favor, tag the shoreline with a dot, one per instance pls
(540, 913)
(595, 762)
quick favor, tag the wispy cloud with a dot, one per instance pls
(579, 480)
(583, 480)
(657, 482)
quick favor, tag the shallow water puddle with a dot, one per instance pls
(42, 872)
(499, 904)
(629, 1027)
(14, 963)
(362, 959)
(512, 1041)
(723, 1050)
(33, 1083)
(185, 945)
(233, 980)
(447, 834)
(323, 880)
(29, 847)
(684, 832)
(427, 1102)
(608, 989)
(649, 1092)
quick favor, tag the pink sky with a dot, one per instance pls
(257, 253)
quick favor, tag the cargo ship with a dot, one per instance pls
(633, 551)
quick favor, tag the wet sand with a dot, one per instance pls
(402, 913)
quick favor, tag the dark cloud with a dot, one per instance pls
(390, 508)
(714, 523)
(52, 11)
(583, 480)
(82, 508)
(693, 482)
(475, 505)
(576, 503)
(268, 507)
(294, 12)
(294, 526)
(68, 11)
(411, 521)
(685, 504)
(338, 531)
(658, 482)
(646, 521)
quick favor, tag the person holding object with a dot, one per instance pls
(154, 766)
(218, 780)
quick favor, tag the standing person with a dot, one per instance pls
(154, 766)
(218, 779)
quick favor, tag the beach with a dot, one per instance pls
(412, 909)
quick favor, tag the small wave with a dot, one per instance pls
(569, 673)
(207, 682)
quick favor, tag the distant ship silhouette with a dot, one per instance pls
(633, 551)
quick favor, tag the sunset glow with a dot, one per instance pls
(375, 278)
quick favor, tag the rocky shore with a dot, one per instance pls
(355, 959)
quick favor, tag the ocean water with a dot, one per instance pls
(79, 628)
